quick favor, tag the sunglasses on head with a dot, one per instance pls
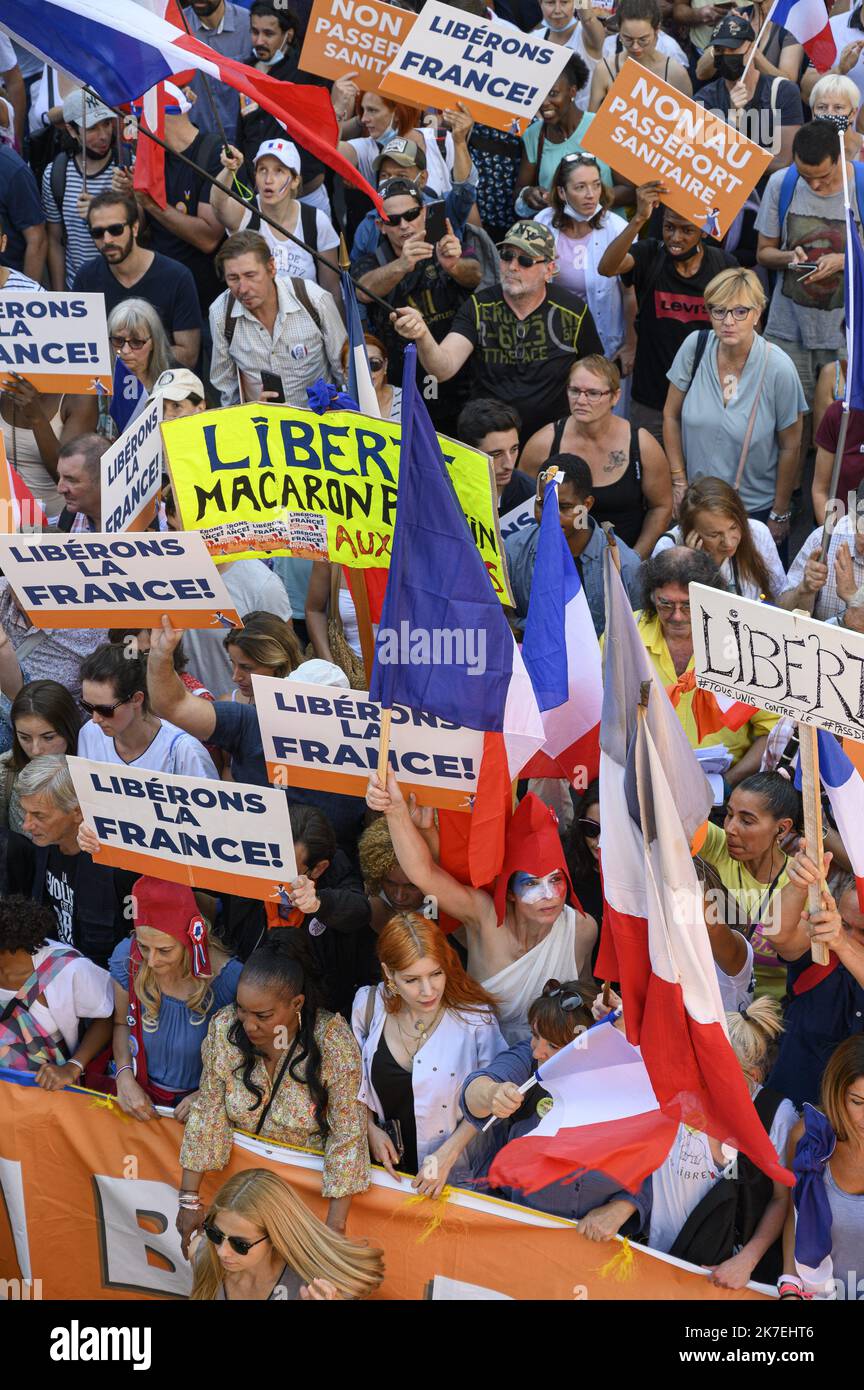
(118, 342)
(394, 218)
(238, 1245)
(508, 255)
(591, 828)
(113, 229)
(104, 711)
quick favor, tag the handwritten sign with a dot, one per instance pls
(500, 74)
(779, 661)
(352, 36)
(329, 740)
(229, 838)
(102, 580)
(647, 130)
(132, 473)
(57, 341)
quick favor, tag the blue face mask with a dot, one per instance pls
(389, 134)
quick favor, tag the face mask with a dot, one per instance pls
(581, 216)
(731, 66)
(530, 890)
(389, 134)
(840, 123)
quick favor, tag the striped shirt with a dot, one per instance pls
(22, 283)
(80, 246)
(295, 350)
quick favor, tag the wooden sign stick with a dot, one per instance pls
(808, 749)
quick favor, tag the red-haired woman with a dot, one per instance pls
(421, 1031)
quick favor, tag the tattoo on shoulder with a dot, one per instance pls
(616, 458)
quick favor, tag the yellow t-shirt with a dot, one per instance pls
(754, 900)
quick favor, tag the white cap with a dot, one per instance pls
(318, 672)
(73, 111)
(177, 384)
(283, 150)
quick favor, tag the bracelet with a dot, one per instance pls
(127, 1066)
(677, 473)
(187, 1204)
(73, 1061)
(779, 516)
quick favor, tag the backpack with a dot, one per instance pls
(790, 180)
(702, 338)
(300, 290)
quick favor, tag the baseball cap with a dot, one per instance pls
(532, 238)
(398, 187)
(177, 384)
(283, 150)
(405, 153)
(731, 32)
(74, 109)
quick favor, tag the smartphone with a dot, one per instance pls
(271, 381)
(436, 222)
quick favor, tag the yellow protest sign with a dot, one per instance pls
(276, 480)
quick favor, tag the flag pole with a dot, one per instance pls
(316, 255)
(213, 111)
(751, 57)
(609, 532)
(850, 349)
(808, 748)
(84, 143)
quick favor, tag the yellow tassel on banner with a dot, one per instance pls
(108, 1103)
(622, 1264)
(437, 1216)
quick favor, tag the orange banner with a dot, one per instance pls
(89, 1200)
(353, 38)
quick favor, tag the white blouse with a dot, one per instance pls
(80, 990)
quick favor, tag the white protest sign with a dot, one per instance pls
(318, 737)
(501, 74)
(779, 661)
(517, 519)
(226, 837)
(132, 472)
(57, 341)
(99, 580)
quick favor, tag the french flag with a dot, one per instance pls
(808, 21)
(19, 510)
(165, 99)
(654, 798)
(438, 586)
(128, 396)
(562, 657)
(360, 387)
(121, 48)
(845, 787)
(604, 1118)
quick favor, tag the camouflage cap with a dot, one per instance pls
(532, 238)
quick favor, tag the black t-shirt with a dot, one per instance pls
(60, 875)
(184, 190)
(670, 307)
(519, 489)
(167, 285)
(257, 125)
(527, 361)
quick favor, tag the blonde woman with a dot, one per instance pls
(264, 646)
(719, 1211)
(262, 1244)
(169, 980)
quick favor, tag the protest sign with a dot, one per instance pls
(132, 473)
(782, 662)
(100, 580)
(352, 36)
(19, 510)
(57, 341)
(517, 519)
(328, 739)
(499, 73)
(224, 836)
(277, 480)
(647, 130)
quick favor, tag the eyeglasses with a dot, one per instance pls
(104, 711)
(113, 229)
(394, 218)
(375, 364)
(592, 394)
(508, 255)
(238, 1245)
(738, 312)
(666, 606)
(641, 40)
(118, 343)
(589, 828)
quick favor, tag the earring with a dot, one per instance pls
(390, 987)
(299, 1019)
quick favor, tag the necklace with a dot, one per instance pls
(423, 1029)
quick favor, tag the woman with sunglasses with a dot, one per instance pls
(638, 32)
(279, 1065)
(665, 628)
(595, 1202)
(122, 728)
(389, 397)
(560, 130)
(632, 486)
(138, 338)
(420, 1032)
(735, 405)
(583, 225)
(262, 1243)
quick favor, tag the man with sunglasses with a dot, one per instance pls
(522, 337)
(409, 272)
(125, 270)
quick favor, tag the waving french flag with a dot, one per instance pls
(808, 21)
(122, 48)
(845, 787)
(562, 657)
(604, 1118)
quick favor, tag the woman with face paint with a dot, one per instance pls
(520, 932)
(420, 1032)
(597, 1203)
